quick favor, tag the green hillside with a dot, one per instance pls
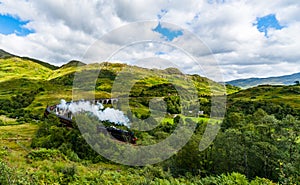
(258, 142)
(276, 94)
(22, 68)
(19, 74)
(6, 55)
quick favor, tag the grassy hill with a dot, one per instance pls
(19, 74)
(280, 80)
(22, 68)
(276, 94)
(6, 55)
(27, 86)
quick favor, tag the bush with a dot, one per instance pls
(3, 151)
(43, 154)
(68, 174)
(66, 149)
(259, 181)
(230, 179)
(1, 123)
(5, 174)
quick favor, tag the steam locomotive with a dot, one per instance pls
(119, 134)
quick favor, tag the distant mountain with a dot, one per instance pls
(252, 82)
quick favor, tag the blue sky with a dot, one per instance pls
(167, 34)
(11, 25)
(266, 22)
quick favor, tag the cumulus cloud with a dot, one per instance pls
(65, 30)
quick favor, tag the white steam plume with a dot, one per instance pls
(107, 114)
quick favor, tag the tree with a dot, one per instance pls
(297, 82)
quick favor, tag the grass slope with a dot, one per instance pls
(24, 75)
(19, 74)
(17, 68)
(275, 94)
(6, 55)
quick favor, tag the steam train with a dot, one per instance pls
(119, 134)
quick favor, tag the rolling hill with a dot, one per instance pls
(258, 128)
(22, 74)
(280, 80)
(275, 94)
(6, 55)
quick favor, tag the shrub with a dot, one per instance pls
(1, 123)
(68, 174)
(66, 149)
(3, 151)
(44, 153)
(259, 181)
(5, 174)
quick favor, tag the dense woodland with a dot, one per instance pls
(258, 142)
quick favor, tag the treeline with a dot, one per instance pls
(254, 145)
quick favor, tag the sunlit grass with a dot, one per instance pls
(6, 120)
(21, 69)
(276, 94)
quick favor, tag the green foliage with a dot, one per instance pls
(5, 174)
(279, 110)
(258, 142)
(233, 178)
(66, 80)
(43, 153)
(173, 104)
(67, 174)
(66, 149)
(261, 181)
(10, 176)
(15, 107)
(52, 135)
(1, 123)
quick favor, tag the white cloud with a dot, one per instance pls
(66, 29)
